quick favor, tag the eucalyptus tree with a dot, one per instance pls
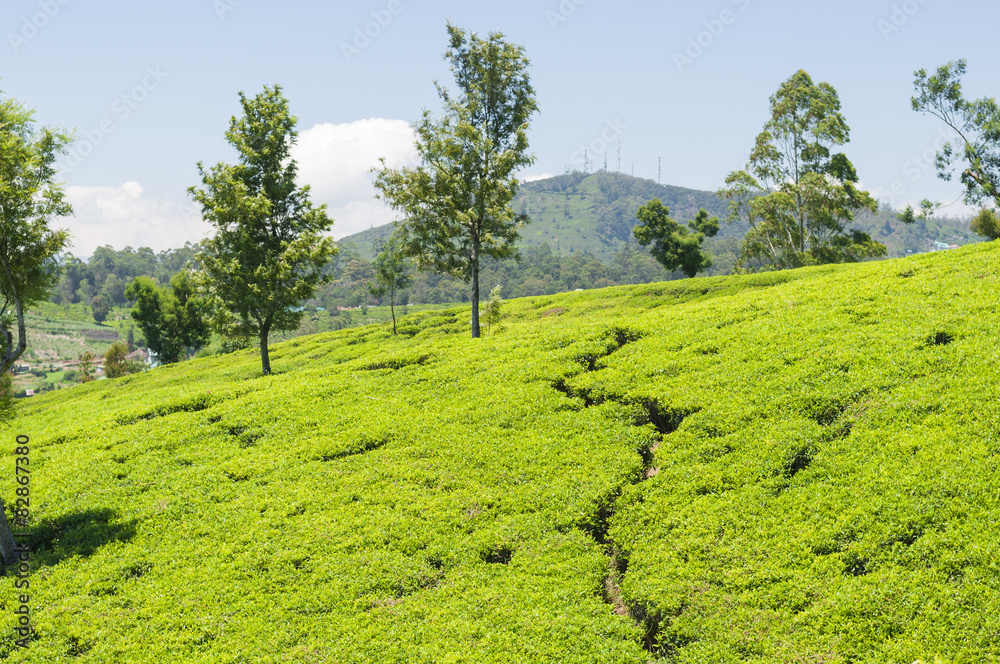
(799, 196)
(976, 125)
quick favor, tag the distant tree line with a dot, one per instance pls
(797, 202)
(540, 271)
(109, 272)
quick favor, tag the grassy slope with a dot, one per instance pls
(821, 444)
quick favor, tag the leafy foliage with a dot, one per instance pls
(108, 271)
(976, 123)
(391, 275)
(797, 195)
(493, 311)
(987, 224)
(100, 307)
(87, 366)
(269, 250)
(676, 247)
(789, 466)
(173, 320)
(457, 202)
(30, 200)
(116, 362)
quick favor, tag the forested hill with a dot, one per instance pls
(577, 213)
(580, 213)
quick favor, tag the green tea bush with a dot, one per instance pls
(793, 466)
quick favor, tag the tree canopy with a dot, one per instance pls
(456, 204)
(391, 275)
(269, 249)
(30, 200)
(676, 247)
(172, 319)
(976, 124)
(799, 196)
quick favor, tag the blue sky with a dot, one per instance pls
(150, 87)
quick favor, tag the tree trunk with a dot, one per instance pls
(475, 294)
(265, 356)
(11, 354)
(392, 308)
(8, 547)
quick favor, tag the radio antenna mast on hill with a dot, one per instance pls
(586, 162)
(659, 169)
(605, 161)
(619, 156)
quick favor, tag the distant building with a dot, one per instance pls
(29, 393)
(138, 355)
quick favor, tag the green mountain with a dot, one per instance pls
(580, 213)
(798, 466)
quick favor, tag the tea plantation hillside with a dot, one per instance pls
(800, 466)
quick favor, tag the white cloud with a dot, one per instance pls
(535, 178)
(121, 216)
(336, 161)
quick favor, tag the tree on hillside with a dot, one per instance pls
(100, 308)
(797, 195)
(30, 200)
(391, 275)
(87, 366)
(269, 250)
(976, 125)
(493, 311)
(456, 204)
(172, 319)
(675, 246)
(116, 362)
(987, 224)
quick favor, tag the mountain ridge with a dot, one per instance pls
(595, 213)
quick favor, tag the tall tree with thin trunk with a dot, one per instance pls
(30, 200)
(456, 203)
(391, 275)
(269, 249)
